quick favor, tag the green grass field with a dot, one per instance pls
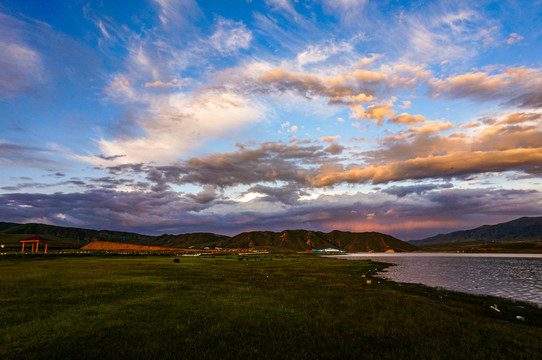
(245, 307)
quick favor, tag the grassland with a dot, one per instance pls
(245, 307)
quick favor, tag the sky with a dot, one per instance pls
(411, 118)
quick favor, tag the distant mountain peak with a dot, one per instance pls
(521, 229)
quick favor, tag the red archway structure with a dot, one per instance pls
(36, 240)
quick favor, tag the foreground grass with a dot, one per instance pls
(265, 307)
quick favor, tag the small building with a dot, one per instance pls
(328, 250)
(35, 241)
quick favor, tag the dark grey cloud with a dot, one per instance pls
(401, 191)
(269, 162)
(334, 149)
(104, 157)
(27, 156)
(127, 168)
(532, 100)
(288, 194)
(205, 196)
(38, 185)
(106, 182)
(110, 182)
(101, 209)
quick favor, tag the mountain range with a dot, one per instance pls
(288, 240)
(525, 232)
(522, 229)
(522, 233)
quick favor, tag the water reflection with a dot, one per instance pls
(515, 276)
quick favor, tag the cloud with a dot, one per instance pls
(353, 88)
(512, 143)
(319, 53)
(514, 38)
(30, 63)
(348, 11)
(443, 166)
(21, 66)
(405, 118)
(161, 84)
(176, 124)
(430, 127)
(178, 13)
(517, 118)
(402, 191)
(288, 194)
(407, 217)
(436, 34)
(368, 92)
(282, 5)
(37, 185)
(473, 124)
(112, 157)
(516, 86)
(375, 112)
(269, 162)
(230, 36)
(334, 149)
(28, 156)
(205, 196)
(401, 212)
(329, 138)
(102, 209)
(528, 100)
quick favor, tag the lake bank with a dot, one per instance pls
(513, 276)
(231, 307)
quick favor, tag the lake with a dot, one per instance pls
(514, 276)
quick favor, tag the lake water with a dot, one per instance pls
(514, 276)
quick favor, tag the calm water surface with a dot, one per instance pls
(514, 276)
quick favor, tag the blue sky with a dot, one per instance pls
(174, 116)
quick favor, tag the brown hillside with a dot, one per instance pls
(113, 246)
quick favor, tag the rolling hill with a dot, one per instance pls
(300, 240)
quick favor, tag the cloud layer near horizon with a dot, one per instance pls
(410, 213)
